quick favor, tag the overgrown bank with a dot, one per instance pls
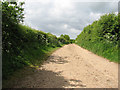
(22, 45)
(26, 50)
(102, 37)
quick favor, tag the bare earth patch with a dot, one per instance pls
(72, 67)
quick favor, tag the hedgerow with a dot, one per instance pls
(22, 45)
(102, 36)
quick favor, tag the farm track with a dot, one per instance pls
(72, 67)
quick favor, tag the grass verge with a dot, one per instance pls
(36, 60)
(108, 51)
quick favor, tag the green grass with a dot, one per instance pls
(36, 56)
(108, 51)
(26, 47)
(31, 55)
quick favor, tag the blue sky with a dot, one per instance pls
(65, 16)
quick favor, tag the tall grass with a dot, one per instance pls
(108, 51)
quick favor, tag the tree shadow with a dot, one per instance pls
(75, 80)
(45, 79)
(32, 77)
(57, 59)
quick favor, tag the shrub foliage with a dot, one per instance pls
(22, 45)
(101, 37)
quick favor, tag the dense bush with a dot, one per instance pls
(65, 39)
(72, 41)
(101, 37)
(22, 45)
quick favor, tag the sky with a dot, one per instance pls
(65, 16)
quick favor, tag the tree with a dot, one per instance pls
(12, 15)
(67, 37)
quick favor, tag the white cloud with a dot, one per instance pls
(73, 30)
(65, 26)
(95, 16)
(60, 7)
(46, 1)
(64, 17)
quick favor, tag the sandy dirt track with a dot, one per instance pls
(73, 67)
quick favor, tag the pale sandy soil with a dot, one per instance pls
(73, 67)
